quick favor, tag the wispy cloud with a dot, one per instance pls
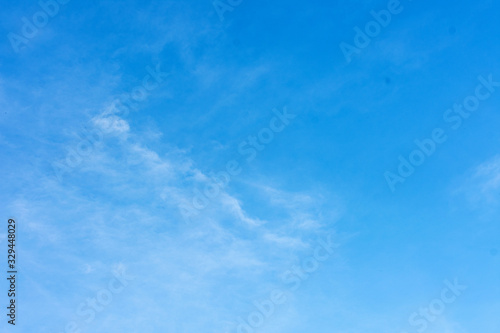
(482, 184)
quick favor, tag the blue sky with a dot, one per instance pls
(115, 117)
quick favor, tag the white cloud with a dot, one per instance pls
(488, 175)
(111, 124)
(483, 184)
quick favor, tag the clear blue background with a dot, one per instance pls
(324, 173)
